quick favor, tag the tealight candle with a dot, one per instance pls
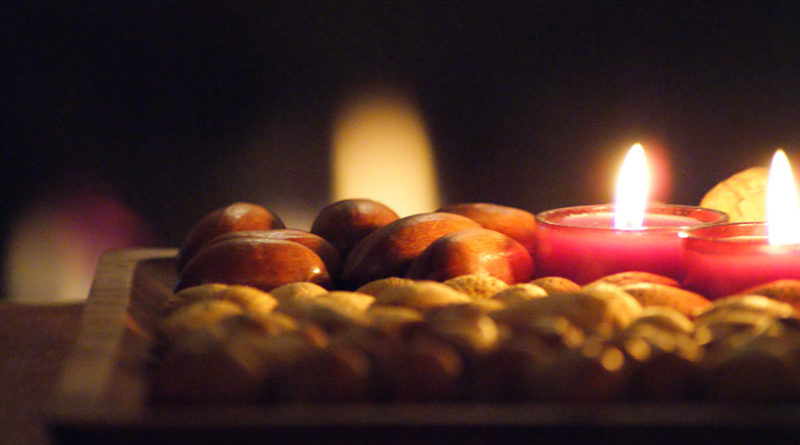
(729, 258)
(585, 243)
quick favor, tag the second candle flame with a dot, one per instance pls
(783, 209)
(633, 187)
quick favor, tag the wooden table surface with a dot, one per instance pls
(34, 340)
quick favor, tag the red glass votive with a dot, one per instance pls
(581, 243)
(728, 258)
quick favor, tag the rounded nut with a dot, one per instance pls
(786, 291)
(344, 223)
(742, 196)
(474, 252)
(519, 293)
(466, 327)
(329, 255)
(477, 286)
(623, 279)
(663, 318)
(510, 221)
(421, 295)
(426, 370)
(653, 294)
(757, 304)
(390, 250)
(333, 311)
(391, 320)
(232, 218)
(554, 285)
(377, 286)
(297, 289)
(261, 263)
(196, 316)
(192, 294)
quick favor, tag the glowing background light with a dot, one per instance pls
(55, 245)
(381, 151)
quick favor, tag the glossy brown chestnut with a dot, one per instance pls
(390, 250)
(256, 262)
(474, 251)
(232, 218)
(344, 223)
(320, 246)
(510, 221)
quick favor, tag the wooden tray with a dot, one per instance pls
(102, 395)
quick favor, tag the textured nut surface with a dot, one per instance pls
(634, 277)
(474, 252)
(510, 221)
(391, 319)
(195, 316)
(665, 318)
(556, 284)
(262, 263)
(377, 286)
(787, 291)
(742, 196)
(756, 304)
(421, 295)
(593, 313)
(297, 289)
(232, 218)
(344, 223)
(477, 286)
(390, 250)
(518, 293)
(653, 294)
(329, 255)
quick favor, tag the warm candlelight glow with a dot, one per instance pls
(381, 151)
(783, 208)
(633, 185)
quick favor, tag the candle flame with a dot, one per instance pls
(783, 207)
(633, 184)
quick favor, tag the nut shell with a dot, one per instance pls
(742, 196)
(320, 246)
(344, 223)
(474, 252)
(510, 221)
(232, 218)
(261, 263)
(390, 250)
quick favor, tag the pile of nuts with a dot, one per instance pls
(445, 307)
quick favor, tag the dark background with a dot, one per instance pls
(526, 103)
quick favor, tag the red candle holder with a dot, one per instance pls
(726, 259)
(581, 243)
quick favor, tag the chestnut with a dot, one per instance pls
(260, 263)
(474, 252)
(390, 250)
(320, 246)
(510, 221)
(232, 218)
(344, 223)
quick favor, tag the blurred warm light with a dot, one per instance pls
(55, 245)
(783, 207)
(381, 151)
(632, 190)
